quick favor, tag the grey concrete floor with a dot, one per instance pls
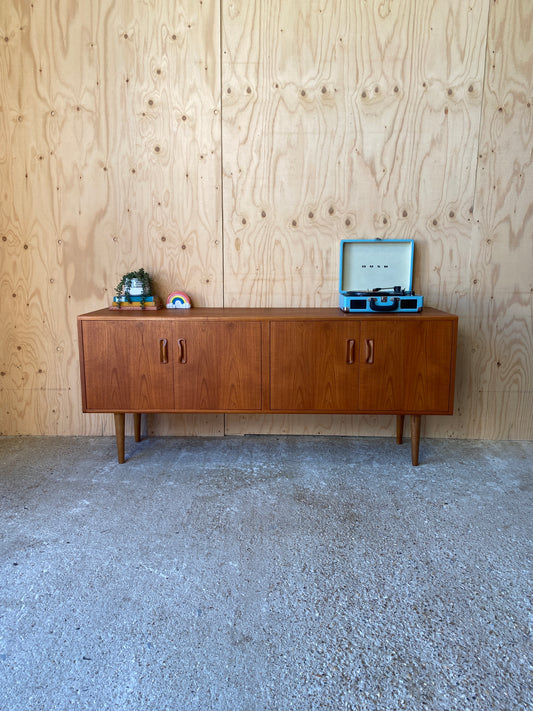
(265, 573)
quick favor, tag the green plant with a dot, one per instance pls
(123, 288)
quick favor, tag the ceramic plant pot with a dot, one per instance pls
(136, 287)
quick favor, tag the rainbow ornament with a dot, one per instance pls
(178, 300)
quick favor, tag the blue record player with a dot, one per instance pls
(377, 275)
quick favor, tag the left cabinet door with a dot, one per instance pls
(127, 366)
(314, 365)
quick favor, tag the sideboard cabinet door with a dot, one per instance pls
(407, 366)
(314, 366)
(126, 366)
(217, 365)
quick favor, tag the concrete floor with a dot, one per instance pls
(265, 573)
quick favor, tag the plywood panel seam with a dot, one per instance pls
(221, 166)
(481, 112)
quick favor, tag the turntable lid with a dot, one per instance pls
(368, 264)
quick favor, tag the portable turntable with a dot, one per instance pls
(377, 275)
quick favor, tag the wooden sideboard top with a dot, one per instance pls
(251, 314)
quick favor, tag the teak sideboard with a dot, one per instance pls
(233, 360)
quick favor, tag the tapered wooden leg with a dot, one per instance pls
(120, 420)
(399, 429)
(415, 438)
(137, 425)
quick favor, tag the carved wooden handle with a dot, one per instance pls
(350, 351)
(182, 345)
(369, 350)
(163, 350)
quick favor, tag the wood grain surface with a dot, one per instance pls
(227, 146)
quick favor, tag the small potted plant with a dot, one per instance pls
(134, 286)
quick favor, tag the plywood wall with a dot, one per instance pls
(110, 140)
(499, 323)
(348, 119)
(228, 146)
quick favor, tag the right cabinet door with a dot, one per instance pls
(314, 366)
(406, 366)
(217, 366)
